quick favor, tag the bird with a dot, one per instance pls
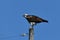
(32, 19)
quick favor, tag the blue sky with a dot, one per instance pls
(12, 24)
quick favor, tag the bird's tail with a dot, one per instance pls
(45, 21)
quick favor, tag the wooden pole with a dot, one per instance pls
(31, 33)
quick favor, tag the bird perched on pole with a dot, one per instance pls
(32, 19)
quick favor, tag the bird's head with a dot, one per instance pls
(25, 15)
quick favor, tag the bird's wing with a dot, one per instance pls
(37, 18)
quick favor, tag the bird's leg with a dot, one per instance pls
(32, 24)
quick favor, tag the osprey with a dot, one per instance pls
(32, 19)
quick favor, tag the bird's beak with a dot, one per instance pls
(23, 15)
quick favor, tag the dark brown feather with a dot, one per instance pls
(32, 18)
